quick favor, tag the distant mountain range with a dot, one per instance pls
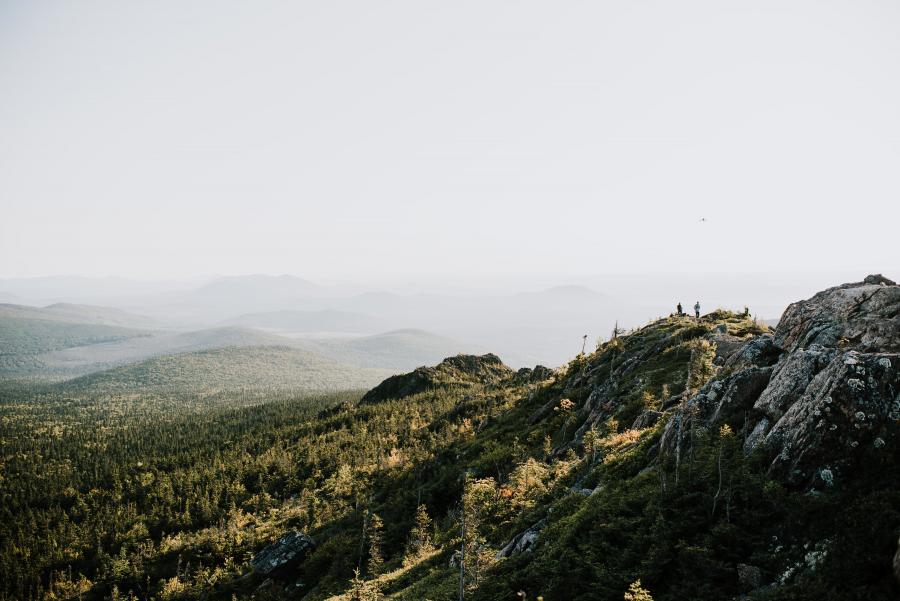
(65, 341)
(543, 325)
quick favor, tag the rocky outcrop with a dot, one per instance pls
(834, 391)
(790, 379)
(528, 375)
(862, 316)
(756, 352)
(287, 551)
(524, 541)
(849, 406)
(604, 398)
(718, 401)
(726, 345)
(819, 392)
(461, 370)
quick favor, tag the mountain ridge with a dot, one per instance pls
(670, 408)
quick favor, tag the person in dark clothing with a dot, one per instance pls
(697, 309)
(680, 312)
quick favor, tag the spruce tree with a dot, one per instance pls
(419, 542)
(376, 559)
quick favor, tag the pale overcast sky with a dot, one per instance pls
(170, 139)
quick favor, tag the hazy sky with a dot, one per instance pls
(170, 139)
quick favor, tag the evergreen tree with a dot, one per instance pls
(419, 543)
(363, 590)
(376, 557)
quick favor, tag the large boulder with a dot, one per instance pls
(287, 551)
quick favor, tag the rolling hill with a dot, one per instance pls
(75, 313)
(228, 368)
(61, 350)
(29, 333)
(84, 359)
(393, 351)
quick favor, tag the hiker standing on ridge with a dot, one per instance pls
(697, 309)
(680, 312)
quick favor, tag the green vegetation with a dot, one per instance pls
(73, 313)
(23, 340)
(162, 496)
(63, 341)
(229, 368)
(28, 334)
(114, 489)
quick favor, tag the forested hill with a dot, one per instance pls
(228, 368)
(688, 459)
